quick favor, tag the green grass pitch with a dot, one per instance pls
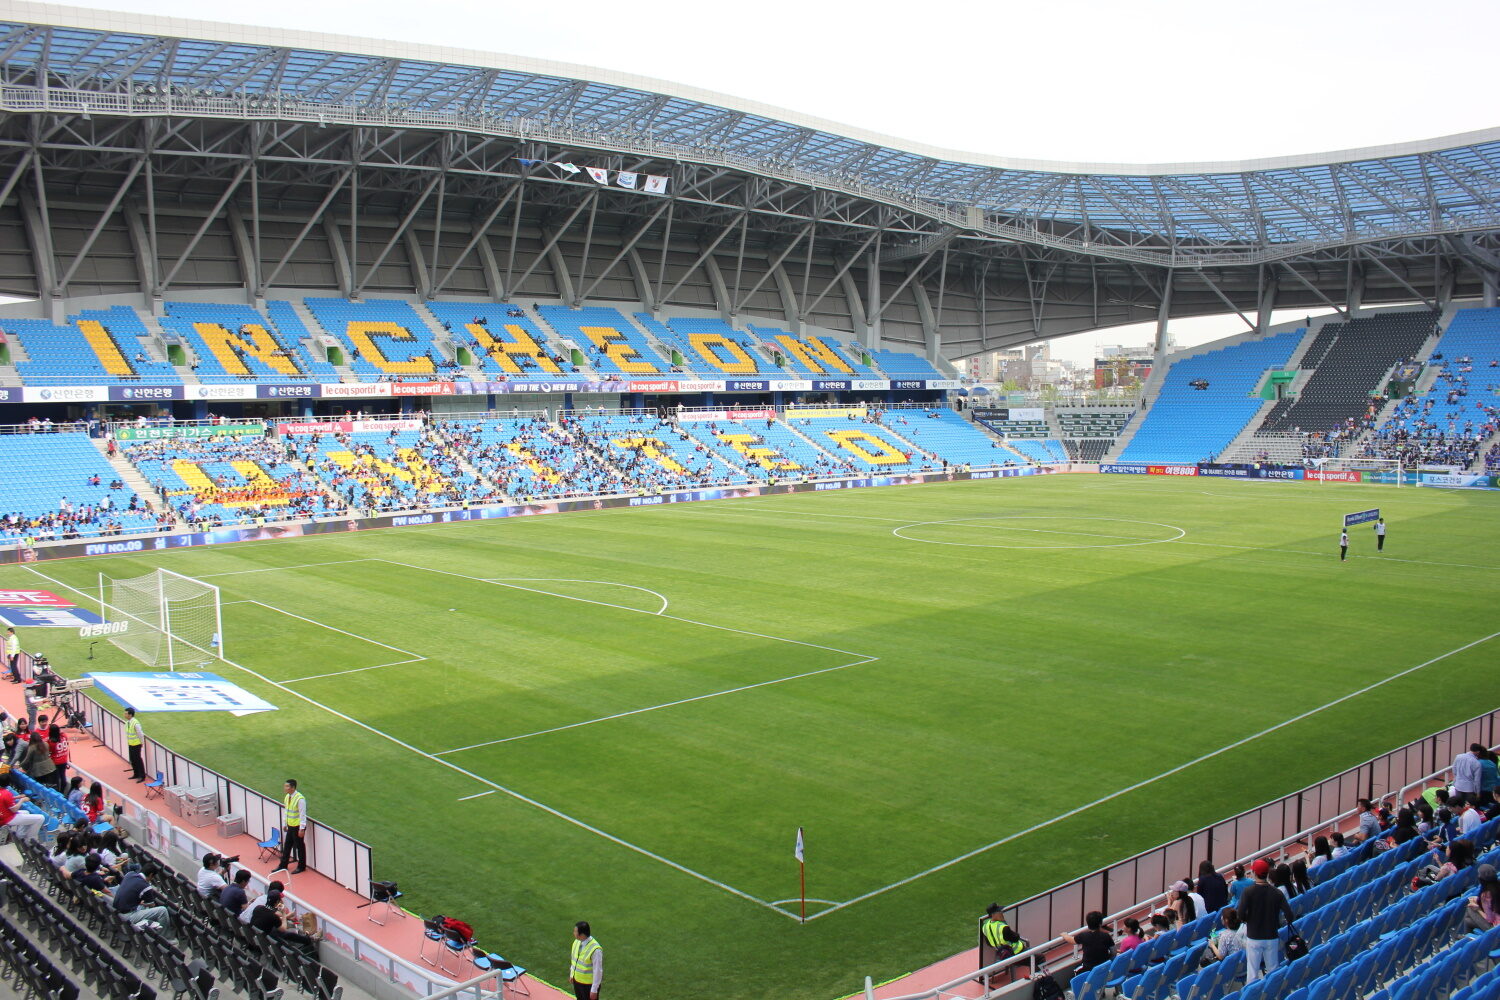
(624, 716)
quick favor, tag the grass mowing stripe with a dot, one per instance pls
(495, 786)
(653, 708)
(1152, 780)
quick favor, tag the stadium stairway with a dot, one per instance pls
(131, 476)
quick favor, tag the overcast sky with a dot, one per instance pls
(1149, 81)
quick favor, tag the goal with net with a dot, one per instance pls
(171, 620)
(1369, 469)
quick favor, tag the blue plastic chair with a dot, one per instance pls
(271, 845)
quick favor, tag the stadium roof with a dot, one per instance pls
(1173, 215)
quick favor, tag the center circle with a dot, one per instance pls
(1040, 531)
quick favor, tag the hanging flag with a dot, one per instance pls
(599, 174)
(655, 184)
(798, 852)
(567, 167)
(527, 163)
(626, 179)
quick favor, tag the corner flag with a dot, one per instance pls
(798, 852)
(801, 875)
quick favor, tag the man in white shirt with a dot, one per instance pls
(1469, 820)
(210, 878)
(1467, 773)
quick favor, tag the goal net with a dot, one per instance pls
(170, 620)
(1369, 469)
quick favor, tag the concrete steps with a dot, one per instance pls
(132, 478)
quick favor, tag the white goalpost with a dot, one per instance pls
(169, 618)
(1373, 465)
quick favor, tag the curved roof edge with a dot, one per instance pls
(153, 24)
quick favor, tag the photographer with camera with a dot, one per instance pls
(211, 880)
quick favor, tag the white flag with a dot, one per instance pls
(798, 852)
(626, 179)
(599, 174)
(568, 167)
(655, 184)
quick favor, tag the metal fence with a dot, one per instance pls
(1132, 883)
(332, 854)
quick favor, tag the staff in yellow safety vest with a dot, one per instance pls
(586, 965)
(999, 935)
(295, 806)
(135, 742)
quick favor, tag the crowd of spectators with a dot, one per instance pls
(1253, 903)
(1443, 426)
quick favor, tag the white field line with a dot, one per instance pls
(1165, 774)
(556, 579)
(606, 604)
(518, 796)
(1175, 541)
(666, 704)
(478, 795)
(412, 657)
(278, 569)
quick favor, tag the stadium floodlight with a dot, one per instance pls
(169, 617)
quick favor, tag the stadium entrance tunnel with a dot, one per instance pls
(1039, 531)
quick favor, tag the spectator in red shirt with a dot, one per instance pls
(58, 744)
(24, 824)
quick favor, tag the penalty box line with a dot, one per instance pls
(495, 786)
(860, 659)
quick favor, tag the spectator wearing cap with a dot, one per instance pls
(1260, 909)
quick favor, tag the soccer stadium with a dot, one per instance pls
(478, 527)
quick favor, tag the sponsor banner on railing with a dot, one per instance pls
(1172, 470)
(1127, 469)
(909, 383)
(746, 385)
(700, 386)
(422, 389)
(1341, 476)
(830, 384)
(698, 416)
(871, 384)
(288, 391)
(383, 426)
(794, 385)
(345, 390)
(221, 392)
(1238, 472)
(186, 431)
(146, 393)
(838, 412)
(1456, 480)
(944, 383)
(316, 427)
(65, 394)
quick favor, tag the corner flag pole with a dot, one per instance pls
(802, 871)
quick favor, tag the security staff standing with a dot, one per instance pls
(295, 805)
(1343, 544)
(13, 654)
(586, 966)
(1380, 534)
(135, 741)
